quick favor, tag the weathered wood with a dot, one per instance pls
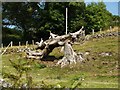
(19, 44)
(110, 28)
(69, 55)
(11, 43)
(33, 42)
(100, 30)
(26, 44)
(52, 36)
(2, 45)
(54, 41)
(6, 48)
(93, 32)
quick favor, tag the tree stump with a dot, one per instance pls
(69, 55)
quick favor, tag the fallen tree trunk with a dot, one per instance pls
(48, 45)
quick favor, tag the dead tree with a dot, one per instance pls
(53, 42)
(69, 55)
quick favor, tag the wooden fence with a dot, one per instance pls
(33, 43)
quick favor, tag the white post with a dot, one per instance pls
(2, 45)
(66, 19)
(100, 30)
(11, 43)
(6, 48)
(19, 43)
(33, 42)
(93, 32)
(84, 33)
(26, 43)
(110, 29)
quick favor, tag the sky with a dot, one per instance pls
(111, 6)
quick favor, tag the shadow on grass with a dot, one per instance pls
(51, 58)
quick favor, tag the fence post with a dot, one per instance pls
(19, 43)
(11, 43)
(6, 48)
(33, 42)
(100, 30)
(2, 45)
(26, 43)
(110, 29)
(84, 33)
(93, 32)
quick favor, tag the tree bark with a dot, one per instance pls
(48, 45)
(69, 55)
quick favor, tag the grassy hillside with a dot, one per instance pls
(97, 71)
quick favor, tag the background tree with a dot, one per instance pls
(115, 20)
(21, 15)
(9, 35)
(76, 11)
(36, 19)
(54, 18)
(97, 16)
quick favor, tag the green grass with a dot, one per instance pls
(95, 72)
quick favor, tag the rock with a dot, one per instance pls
(24, 86)
(87, 53)
(5, 84)
(105, 54)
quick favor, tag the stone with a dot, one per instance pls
(105, 54)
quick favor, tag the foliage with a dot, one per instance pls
(97, 17)
(36, 19)
(54, 16)
(21, 15)
(116, 20)
(18, 80)
(76, 13)
(9, 35)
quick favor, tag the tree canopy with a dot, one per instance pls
(36, 19)
(97, 16)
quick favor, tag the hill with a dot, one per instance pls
(99, 70)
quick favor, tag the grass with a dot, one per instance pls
(95, 72)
